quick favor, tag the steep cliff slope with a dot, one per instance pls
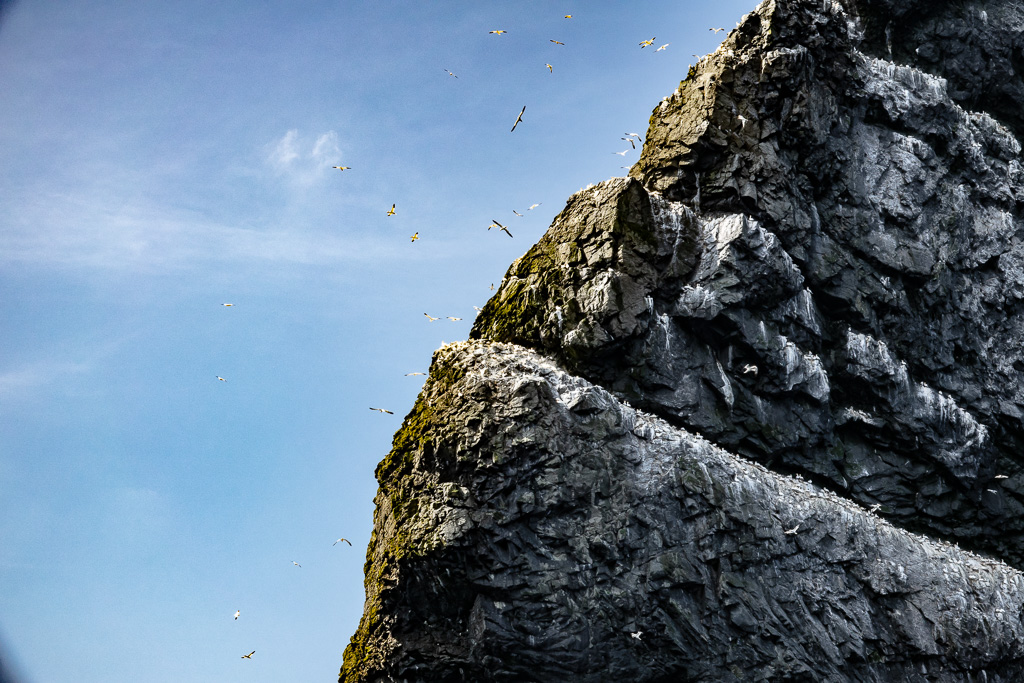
(815, 266)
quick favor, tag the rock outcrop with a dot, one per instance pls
(747, 401)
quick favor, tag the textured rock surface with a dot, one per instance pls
(528, 522)
(846, 228)
(816, 265)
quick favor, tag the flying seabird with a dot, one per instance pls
(876, 507)
(498, 32)
(637, 634)
(550, 68)
(413, 374)
(391, 211)
(517, 213)
(296, 563)
(1001, 476)
(502, 227)
(220, 378)
(415, 236)
(430, 318)
(749, 368)
(630, 141)
(792, 532)
(249, 656)
(382, 410)
(716, 30)
(237, 612)
(663, 47)
(568, 16)
(556, 42)
(227, 304)
(533, 207)
(622, 153)
(450, 73)
(518, 118)
(645, 43)
(340, 540)
(453, 318)
(342, 168)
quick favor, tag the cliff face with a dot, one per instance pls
(815, 266)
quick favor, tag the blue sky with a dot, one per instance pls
(160, 159)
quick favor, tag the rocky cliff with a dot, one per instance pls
(747, 403)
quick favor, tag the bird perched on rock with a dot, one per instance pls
(518, 118)
(637, 634)
(340, 540)
(379, 410)
(750, 368)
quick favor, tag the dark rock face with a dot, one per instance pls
(529, 523)
(816, 265)
(837, 293)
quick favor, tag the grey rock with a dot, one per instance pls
(838, 222)
(681, 404)
(551, 521)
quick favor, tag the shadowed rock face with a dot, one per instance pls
(816, 266)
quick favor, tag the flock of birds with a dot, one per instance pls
(631, 138)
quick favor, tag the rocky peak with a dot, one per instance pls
(748, 401)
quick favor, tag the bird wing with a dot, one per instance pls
(518, 119)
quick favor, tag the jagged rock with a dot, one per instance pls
(814, 269)
(528, 523)
(837, 222)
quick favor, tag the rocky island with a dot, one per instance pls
(754, 412)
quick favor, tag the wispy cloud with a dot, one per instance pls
(79, 231)
(303, 160)
(27, 378)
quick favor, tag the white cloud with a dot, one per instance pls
(301, 160)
